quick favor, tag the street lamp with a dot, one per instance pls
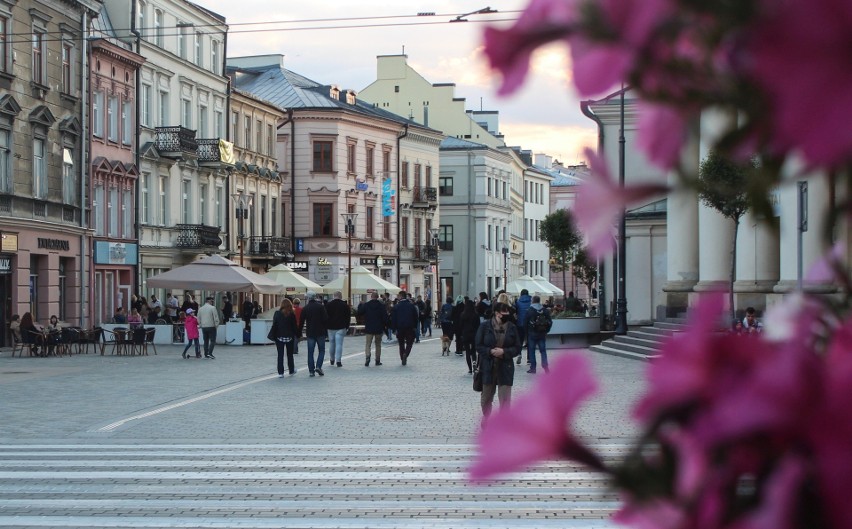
(243, 201)
(438, 298)
(349, 218)
(621, 301)
(505, 251)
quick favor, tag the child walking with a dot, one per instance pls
(191, 326)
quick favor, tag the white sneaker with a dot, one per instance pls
(280, 376)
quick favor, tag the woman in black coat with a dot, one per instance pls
(469, 325)
(497, 344)
(455, 317)
(285, 331)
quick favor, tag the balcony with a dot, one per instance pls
(174, 142)
(215, 152)
(426, 253)
(274, 247)
(197, 236)
(424, 197)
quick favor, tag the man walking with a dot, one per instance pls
(315, 322)
(339, 317)
(375, 321)
(522, 305)
(208, 320)
(405, 320)
(538, 324)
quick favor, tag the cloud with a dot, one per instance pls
(565, 143)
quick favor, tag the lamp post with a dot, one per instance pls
(437, 298)
(505, 263)
(621, 302)
(349, 219)
(243, 202)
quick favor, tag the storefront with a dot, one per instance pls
(113, 278)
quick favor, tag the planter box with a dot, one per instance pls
(573, 333)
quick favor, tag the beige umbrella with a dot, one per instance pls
(555, 291)
(528, 283)
(363, 282)
(293, 282)
(215, 273)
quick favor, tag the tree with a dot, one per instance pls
(723, 186)
(560, 233)
(585, 269)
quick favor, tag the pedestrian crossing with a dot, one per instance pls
(350, 486)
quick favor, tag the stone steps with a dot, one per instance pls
(642, 343)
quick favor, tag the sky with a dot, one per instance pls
(543, 117)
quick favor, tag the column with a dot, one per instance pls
(757, 261)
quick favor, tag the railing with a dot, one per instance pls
(176, 140)
(209, 151)
(425, 195)
(425, 252)
(275, 246)
(197, 236)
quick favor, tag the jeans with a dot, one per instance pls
(209, 334)
(285, 348)
(313, 342)
(534, 340)
(335, 344)
(189, 344)
(405, 338)
(426, 326)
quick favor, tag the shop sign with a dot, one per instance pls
(9, 242)
(298, 266)
(371, 261)
(5, 264)
(323, 261)
(54, 244)
(115, 253)
(365, 246)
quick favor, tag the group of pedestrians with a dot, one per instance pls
(207, 322)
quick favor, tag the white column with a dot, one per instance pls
(757, 254)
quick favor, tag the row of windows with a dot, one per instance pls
(113, 212)
(154, 202)
(39, 166)
(500, 238)
(531, 229)
(112, 118)
(534, 267)
(497, 189)
(323, 222)
(418, 175)
(38, 53)
(163, 100)
(534, 192)
(369, 157)
(151, 24)
(253, 131)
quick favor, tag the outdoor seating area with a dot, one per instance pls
(59, 342)
(74, 340)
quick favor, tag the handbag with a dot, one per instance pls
(477, 379)
(271, 335)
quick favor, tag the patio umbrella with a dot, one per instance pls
(215, 273)
(363, 282)
(293, 282)
(555, 291)
(528, 283)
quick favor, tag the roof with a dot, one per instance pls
(453, 143)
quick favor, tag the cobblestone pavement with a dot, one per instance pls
(157, 441)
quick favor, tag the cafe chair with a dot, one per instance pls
(149, 339)
(92, 337)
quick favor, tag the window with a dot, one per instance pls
(322, 156)
(445, 237)
(161, 213)
(202, 122)
(505, 190)
(220, 203)
(252, 216)
(404, 236)
(418, 181)
(235, 119)
(4, 43)
(113, 212)
(97, 114)
(127, 214)
(369, 223)
(158, 28)
(386, 161)
(186, 197)
(386, 225)
(112, 118)
(270, 140)
(186, 113)
(428, 176)
(164, 109)
(5, 162)
(403, 181)
(218, 123)
(488, 233)
(258, 144)
(263, 215)
(322, 220)
(202, 203)
(39, 169)
(247, 131)
(143, 198)
(126, 123)
(145, 106)
(488, 191)
(273, 211)
(181, 39)
(370, 156)
(418, 232)
(69, 183)
(199, 50)
(38, 57)
(350, 157)
(98, 208)
(445, 186)
(214, 56)
(67, 79)
(141, 23)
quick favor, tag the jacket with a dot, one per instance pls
(375, 316)
(405, 315)
(314, 320)
(532, 312)
(191, 326)
(208, 316)
(499, 371)
(522, 304)
(284, 326)
(339, 315)
(455, 317)
(469, 326)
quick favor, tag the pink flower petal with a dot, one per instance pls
(662, 133)
(777, 510)
(534, 427)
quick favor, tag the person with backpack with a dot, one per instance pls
(483, 307)
(538, 322)
(522, 305)
(446, 318)
(426, 318)
(458, 308)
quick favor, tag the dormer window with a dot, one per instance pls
(350, 97)
(335, 93)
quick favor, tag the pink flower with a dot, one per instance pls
(800, 57)
(509, 50)
(662, 132)
(600, 201)
(534, 427)
(656, 514)
(780, 501)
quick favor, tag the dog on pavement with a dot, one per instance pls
(445, 345)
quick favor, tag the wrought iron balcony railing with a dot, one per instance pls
(176, 140)
(425, 252)
(424, 196)
(197, 236)
(215, 151)
(270, 246)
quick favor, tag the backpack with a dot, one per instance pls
(542, 322)
(447, 312)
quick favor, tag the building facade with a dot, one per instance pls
(45, 244)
